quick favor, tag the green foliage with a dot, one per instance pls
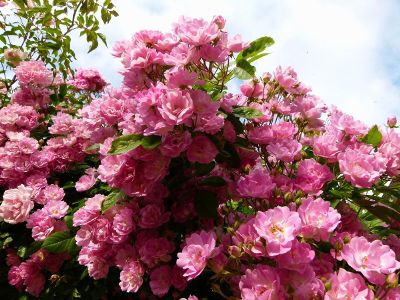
(59, 242)
(373, 137)
(111, 200)
(244, 70)
(256, 48)
(247, 112)
(213, 181)
(42, 30)
(126, 143)
(204, 169)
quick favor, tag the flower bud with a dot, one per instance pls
(220, 21)
(14, 56)
(391, 121)
(234, 251)
(392, 280)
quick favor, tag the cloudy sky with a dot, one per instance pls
(347, 50)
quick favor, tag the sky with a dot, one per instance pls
(347, 51)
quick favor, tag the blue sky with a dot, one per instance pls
(347, 51)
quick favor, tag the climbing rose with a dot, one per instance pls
(199, 247)
(372, 259)
(279, 227)
(262, 283)
(16, 205)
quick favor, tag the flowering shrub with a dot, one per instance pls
(172, 187)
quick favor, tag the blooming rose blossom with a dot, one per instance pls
(175, 143)
(160, 280)
(34, 72)
(279, 227)
(16, 205)
(260, 283)
(311, 176)
(285, 149)
(131, 277)
(199, 247)
(175, 107)
(196, 32)
(361, 166)
(347, 285)
(257, 184)
(88, 79)
(318, 218)
(56, 209)
(297, 258)
(201, 150)
(372, 259)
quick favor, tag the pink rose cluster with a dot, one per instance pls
(174, 183)
(88, 79)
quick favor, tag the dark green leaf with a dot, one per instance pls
(206, 204)
(244, 70)
(125, 143)
(237, 124)
(229, 155)
(247, 112)
(214, 181)
(203, 169)
(58, 242)
(151, 142)
(111, 200)
(373, 137)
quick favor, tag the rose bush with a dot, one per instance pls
(172, 187)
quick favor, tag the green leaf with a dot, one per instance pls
(247, 112)
(21, 252)
(206, 204)
(214, 181)
(151, 142)
(244, 70)
(111, 200)
(373, 137)
(61, 241)
(258, 56)
(93, 147)
(125, 143)
(237, 124)
(256, 47)
(103, 38)
(203, 169)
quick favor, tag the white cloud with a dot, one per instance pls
(346, 50)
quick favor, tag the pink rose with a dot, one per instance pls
(17, 204)
(201, 150)
(56, 209)
(174, 106)
(261, 283)
(348, 285)
(372, 259)
(361, 166)
(199, 247)
(160, 280)
(153, 216)
(173, 144)
(257, 184)
(318, 218)
(279, 227)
